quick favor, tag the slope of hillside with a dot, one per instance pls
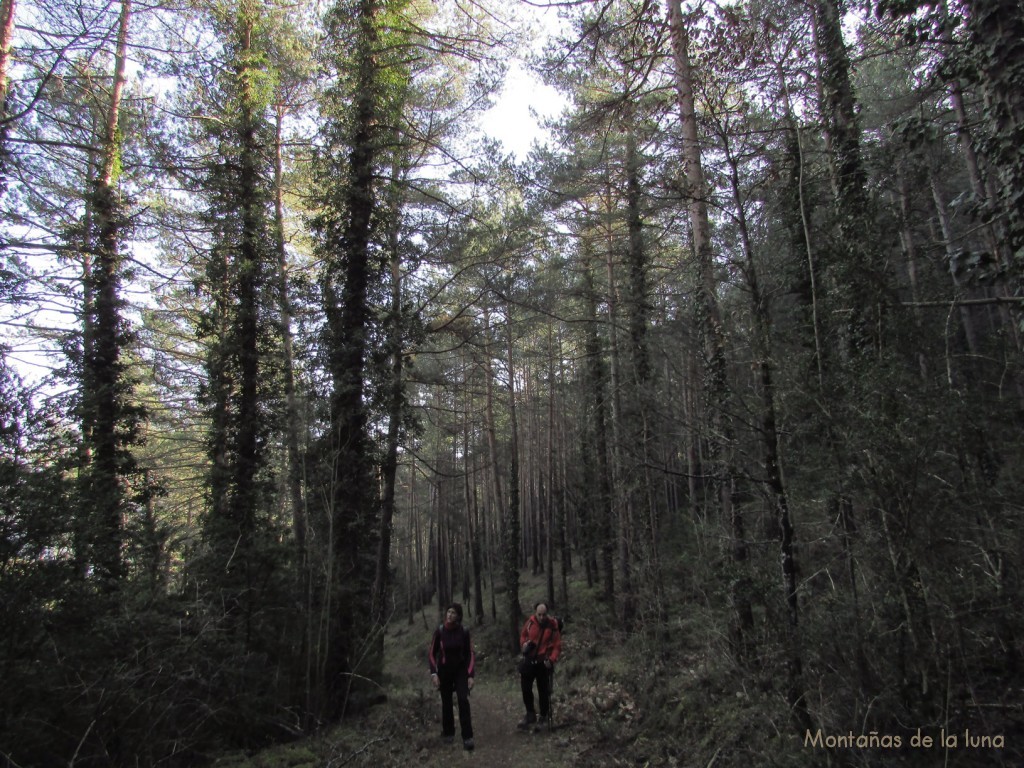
(670, 697)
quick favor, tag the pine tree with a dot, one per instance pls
(110, 418)
(242, 391)
(365, 99)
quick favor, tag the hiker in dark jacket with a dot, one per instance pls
(452, 666)
(541, 643)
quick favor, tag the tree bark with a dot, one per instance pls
(597, 390)
(293, 417)
(353, 502)
(772, 450)
(7, 8)
(512, 525)
(716, 386)
(396, 409)
(108, 423)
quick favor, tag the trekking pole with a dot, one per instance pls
(551, 698)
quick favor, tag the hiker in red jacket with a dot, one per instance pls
(452, 666)
(541, 642)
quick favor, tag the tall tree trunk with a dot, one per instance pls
(353, 504)
(640, 412)
(709, 322)
(996, 48)
(772, 450)
(597, 388)
(7, 8)
(396, 409)
(942, 215)
(854, 271)
(621, 503)
(294, 422)
(993, 233)
(511, 544)
(108, 424)
(240, 270)
(996, 39)
(249, 269)
(473, 519)
(911, 256)
(549, 501)
(799, 217)
(507, 510)
(293, 417)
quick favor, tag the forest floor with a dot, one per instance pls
(496, 705)
(668, 697)
(592, 724)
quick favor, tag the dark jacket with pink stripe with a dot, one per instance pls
(452, 648)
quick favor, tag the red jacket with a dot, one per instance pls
(545, 636)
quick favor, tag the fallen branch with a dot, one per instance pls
(331, 763)
(966, 302)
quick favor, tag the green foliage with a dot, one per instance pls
(855, 254)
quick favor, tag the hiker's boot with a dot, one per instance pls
(468, 744)
(527, 721)
(542, 722)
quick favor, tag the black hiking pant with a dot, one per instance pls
(455, 681)
(536, 670)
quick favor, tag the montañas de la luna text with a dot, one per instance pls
(876, 740)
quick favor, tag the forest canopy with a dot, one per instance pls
(290, 350)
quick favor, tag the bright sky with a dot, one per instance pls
(513, 119)
(525, 100)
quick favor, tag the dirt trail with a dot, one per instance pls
(497, 707)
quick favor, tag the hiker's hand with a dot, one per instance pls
(434, 679)
(548, 664)
(471, 683)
